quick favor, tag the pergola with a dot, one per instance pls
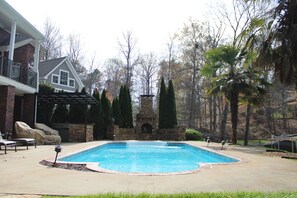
(67, 98)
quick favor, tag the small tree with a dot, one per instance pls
(60, 114)
(45, 111)
(77, 112)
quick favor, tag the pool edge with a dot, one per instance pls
(95, 167)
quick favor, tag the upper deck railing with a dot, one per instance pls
(15, 71)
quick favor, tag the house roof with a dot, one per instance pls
(45, 67)
(8, 15)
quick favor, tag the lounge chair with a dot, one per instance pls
(7, 143)
(26, 141)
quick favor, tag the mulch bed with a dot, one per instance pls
(281, 154)
(79, 167)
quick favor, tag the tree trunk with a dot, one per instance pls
(224, 121)
(210, 114)
(283, 109)
(247, 124)
(268, 116)
(214, 128)
(234, 114)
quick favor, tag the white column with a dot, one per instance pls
(36, 55)
(36, 61)
(12, 40)
(36, 64)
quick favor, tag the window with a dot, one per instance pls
(63, 77)
(71, 82)
(55, 79)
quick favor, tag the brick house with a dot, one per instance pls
(19, 59)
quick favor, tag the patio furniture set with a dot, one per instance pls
(25, 135)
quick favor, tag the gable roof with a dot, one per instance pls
(47, 67)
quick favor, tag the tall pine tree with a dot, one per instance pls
(162, 106)
(96, 116)
(106, 108)
(125, 107)
(171, 106)
(129, 111)
(116, 111)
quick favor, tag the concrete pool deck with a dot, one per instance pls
(22, 175)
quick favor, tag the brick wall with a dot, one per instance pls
(7, 94)
(28, 109)
(74, 132)
(23, 55)
(80, 133)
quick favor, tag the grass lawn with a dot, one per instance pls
(193, 195)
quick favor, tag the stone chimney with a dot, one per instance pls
(146, 119)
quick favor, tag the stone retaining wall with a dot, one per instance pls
(74, 132)
(176, 134)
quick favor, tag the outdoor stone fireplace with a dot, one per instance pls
(146, 126)
(146, 119)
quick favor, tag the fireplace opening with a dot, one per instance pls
(146, 128)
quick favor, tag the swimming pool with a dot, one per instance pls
(148, 157)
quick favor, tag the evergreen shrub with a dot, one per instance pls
(192, 134)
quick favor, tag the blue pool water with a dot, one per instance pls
(148, 157)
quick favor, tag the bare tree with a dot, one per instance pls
(53, 40)
(130, 56)
(93, 76)
(239, 17)
(76, 54)
(148, 69)
(113, 75)
(193, 45)
(169, 62)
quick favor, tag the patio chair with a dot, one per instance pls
(26, 141)
(7, 143)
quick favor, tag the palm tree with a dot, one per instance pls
(235, 78)
(253, 96)
(224, 58)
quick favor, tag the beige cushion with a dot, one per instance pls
(47, 130)
(25, 131)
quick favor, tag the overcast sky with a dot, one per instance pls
(101, 22)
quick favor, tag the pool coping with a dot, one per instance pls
(24, 175)
(95, 167)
